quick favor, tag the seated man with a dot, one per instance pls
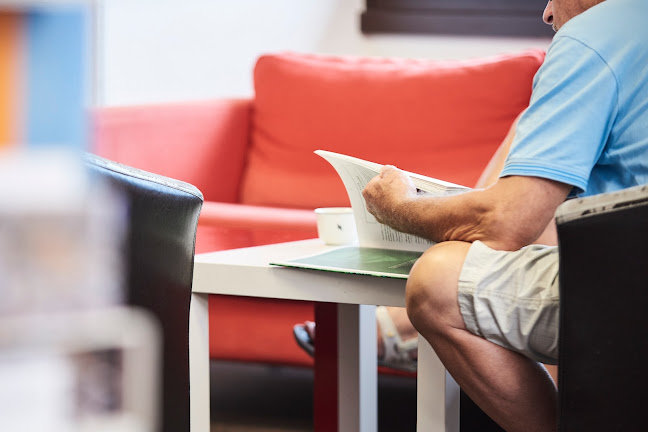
(485, 297)
(397, 338)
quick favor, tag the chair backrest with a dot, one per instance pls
(163, 216)
(603, 243)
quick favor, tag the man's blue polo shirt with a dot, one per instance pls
(587, 122)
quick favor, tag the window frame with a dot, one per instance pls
(509, 18)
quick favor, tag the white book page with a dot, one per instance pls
(355, 174)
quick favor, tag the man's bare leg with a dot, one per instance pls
(512, 389)
(403, 326)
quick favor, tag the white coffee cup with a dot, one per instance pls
(336, 225)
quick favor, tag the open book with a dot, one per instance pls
(381, 250)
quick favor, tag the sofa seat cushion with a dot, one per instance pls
(444, 119)
(248, 216)
(229, 226)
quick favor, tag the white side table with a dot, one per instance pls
(246, 272)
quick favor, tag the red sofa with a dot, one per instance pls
(253, 158)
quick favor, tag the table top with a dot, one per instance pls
(247, 272)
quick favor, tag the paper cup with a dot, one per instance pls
(336, 225)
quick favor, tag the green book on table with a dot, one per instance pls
(359, 260)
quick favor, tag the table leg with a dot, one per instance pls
(345, 368)
(357, 370)
(199, 363)
(437, 394)
(325, 387)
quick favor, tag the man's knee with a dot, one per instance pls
(431, 294)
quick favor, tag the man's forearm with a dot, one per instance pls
(458, 217)
(508, 215)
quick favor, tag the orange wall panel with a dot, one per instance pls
(10, 40)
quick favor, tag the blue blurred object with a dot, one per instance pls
(56, 83)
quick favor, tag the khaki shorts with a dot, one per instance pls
(511, 298)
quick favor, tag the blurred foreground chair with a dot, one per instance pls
(603, 243)
(163, 216)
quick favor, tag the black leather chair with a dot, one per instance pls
(163, 217)
(603, 377)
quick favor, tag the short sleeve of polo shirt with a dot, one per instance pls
(566, 126)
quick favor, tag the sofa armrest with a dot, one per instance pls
(228, 215)
(603, 243)
(202, 143)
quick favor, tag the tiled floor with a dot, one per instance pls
(259, 398)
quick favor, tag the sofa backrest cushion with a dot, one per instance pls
(443, 119)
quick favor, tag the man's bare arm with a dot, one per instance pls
(508, 215)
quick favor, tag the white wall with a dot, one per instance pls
(172, 50)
